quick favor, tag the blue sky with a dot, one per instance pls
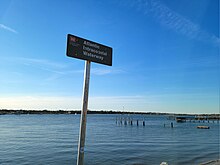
(165, 55)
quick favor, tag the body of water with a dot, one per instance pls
(53, 140)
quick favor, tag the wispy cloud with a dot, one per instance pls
(73, 102)
(4, 27)
(59, 69)
(102, 71)
(40, 102)
(54, 69)
(173, 20)
(42, 63)
(181, 103)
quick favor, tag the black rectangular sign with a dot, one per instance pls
(87, 50)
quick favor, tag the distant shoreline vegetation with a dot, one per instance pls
(20, 112)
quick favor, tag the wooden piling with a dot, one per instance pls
(171, 124)
(125, 121)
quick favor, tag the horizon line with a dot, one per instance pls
(112, 111)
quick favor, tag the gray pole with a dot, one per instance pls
(82, 133)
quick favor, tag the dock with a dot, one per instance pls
(200, 119)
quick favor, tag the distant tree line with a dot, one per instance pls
(20, 112)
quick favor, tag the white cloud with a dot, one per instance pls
(42, 63)
(40, 102)
(53, 68)
(130, 103)
(103, 71)
(175, 103)
(173, 20)
(8, 28)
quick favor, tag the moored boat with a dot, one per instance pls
(203, 127)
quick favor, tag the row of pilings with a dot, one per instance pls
(140, 120)
(126, 121)
(129, 121)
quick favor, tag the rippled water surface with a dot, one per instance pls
(53, 139)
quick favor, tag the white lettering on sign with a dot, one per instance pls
(88, 50)
(94, 51)
(91, 44)
(85, 53)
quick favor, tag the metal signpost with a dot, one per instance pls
(90, 51)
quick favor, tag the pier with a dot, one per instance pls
(199, 119)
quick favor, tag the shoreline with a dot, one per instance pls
(20, 112)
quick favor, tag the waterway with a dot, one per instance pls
(53, 140)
